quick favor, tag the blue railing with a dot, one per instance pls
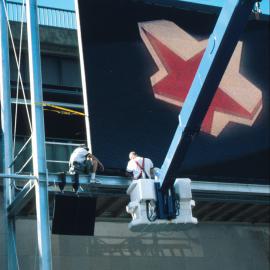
(47, 16)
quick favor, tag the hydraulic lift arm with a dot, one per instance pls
(170, 198)
(230, 24)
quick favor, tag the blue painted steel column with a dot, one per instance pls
(38, 137)
(221, 44)
(6, 128)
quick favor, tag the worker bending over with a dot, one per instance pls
(82, 161)
(140, 167)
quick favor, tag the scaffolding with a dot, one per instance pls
(38, 182)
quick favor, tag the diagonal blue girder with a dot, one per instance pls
(230, 24)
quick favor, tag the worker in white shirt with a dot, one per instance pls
(82, 161)
(140, 167)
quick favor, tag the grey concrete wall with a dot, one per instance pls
(2, 235)
(53, 39)
(114, 247)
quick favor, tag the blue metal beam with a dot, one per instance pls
(117, 186)
(38, 137)
(106, 181)
(6, 131)
(230, 24)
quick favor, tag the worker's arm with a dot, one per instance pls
(129, 169)
(130, 166)
(96, 159)
(151, 164)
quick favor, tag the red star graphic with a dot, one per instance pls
(176, 84)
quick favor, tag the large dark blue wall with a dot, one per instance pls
(125, 115)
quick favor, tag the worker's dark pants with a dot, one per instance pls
(85, 167)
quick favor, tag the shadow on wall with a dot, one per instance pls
(205, 246)
(202, 241)
(167, 244)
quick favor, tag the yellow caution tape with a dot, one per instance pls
(62, 110)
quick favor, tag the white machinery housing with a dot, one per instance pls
(143, 201)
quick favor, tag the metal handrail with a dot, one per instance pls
(47, 143)
(57, 161)
(63, 144)
(47, 16)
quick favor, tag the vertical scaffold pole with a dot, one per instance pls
(83, 78)
(38, 137)
(6, 120)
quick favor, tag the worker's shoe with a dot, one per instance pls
(95, 181)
